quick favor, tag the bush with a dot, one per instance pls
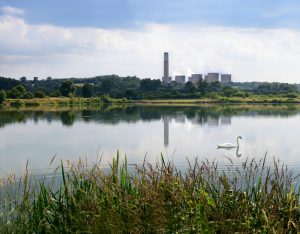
(17, 103)
(39, 94)
(2, 96)
(28, 95)
(55, 94)
(13, 93)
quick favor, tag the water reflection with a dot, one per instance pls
(166, 122)
(38, 134)
(201, 115)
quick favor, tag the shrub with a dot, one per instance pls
(39, 94)
(56, 93)
(17, 103)
(2, 96)
(28, 95)
(14, 93)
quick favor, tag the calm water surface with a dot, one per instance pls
(139, 131)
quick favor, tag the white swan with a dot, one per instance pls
(229, 145)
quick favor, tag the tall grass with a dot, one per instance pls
(151, 198)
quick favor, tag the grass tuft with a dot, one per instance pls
(153, 198)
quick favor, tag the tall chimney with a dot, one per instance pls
(166, 65)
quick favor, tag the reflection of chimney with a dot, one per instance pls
(166, 130)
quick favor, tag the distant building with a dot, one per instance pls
(180, 79)
(166, 77)
(35, 79)
(195, 78)
(212, 77)
(225, 78)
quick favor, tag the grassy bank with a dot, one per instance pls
(153, 199)
(62, 101)
(94, 101)
(221, 99)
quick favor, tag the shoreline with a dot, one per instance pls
(98, 101)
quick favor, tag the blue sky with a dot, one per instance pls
(130, 13)
(93, 37)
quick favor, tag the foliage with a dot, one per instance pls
(13, 93)
(28, 95)
(87, 90)
(17, 103)
(7, 83)
(149, 85)
(39, 94)
(2, 96)
(158, 198)
(55, 94)
(134, 88)
(67, 88)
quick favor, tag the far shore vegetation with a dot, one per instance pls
(115, 89)
(258, 197)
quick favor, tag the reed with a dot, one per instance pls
(151, 198)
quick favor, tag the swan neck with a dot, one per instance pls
(237, 142)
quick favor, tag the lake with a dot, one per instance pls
(178, 132)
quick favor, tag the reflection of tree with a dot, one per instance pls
(86, 115)
(130, 114)
(67, 118)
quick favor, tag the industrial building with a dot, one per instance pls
(212, 77)
(180, 79)
(166, 77)
(195, 78)
(225, 78)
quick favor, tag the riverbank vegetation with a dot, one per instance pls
(147, 198)
(134, 89)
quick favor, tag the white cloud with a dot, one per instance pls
(249, 54)
(7, 10)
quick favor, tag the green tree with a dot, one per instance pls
(189, 87)
(2, 96)
(13, 93)
(149, 85)
(87, 90)
(23, 79)
(21, 89)
(39, 94)
(107, 84)
(55, 93)
(203, 87)
(67, 88)
(28, 95)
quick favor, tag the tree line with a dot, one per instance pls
(133, 88)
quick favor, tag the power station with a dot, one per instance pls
(166, 77)
(194, 78)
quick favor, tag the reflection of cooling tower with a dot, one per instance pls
(212, 121)
(166, 130)
(180, 118)
(225, 120)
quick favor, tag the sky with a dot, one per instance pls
(254, 40)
